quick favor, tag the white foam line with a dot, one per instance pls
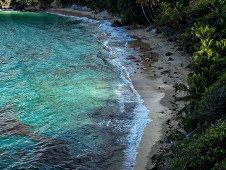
(140, 112)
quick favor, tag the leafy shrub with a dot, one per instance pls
(198, 8)
(129, 19)
(170, 14)
(4, 3)
(217, 16)
(212, 105)
(206, 150)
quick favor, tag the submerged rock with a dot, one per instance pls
(130, 57)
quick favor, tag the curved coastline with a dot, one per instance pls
(127, 124)
(154, 87)
(115, 42)
(157, 88)
(154, 79)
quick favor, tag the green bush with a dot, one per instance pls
(200, 7)
(129, 19)
(206, 150)
(212, 105)
(170, 14)
(5, 2)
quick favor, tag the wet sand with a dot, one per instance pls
(155, 78)
(156, 73)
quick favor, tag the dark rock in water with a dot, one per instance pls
(12, 127)
(57, 152)
(130, 57)
(169, 54)
(116, 23)
(170, 59)
(137, 60)
(111, 116)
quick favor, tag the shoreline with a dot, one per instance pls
(156, 86)
(154, 79)
(88, 14)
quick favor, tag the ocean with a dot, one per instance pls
(66, 98)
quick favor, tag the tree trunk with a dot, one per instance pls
(153, 10)
(150, 14)
(145, 14)
(132, 10)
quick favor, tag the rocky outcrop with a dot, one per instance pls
(31, 9)
(116, 23)
(56, 4)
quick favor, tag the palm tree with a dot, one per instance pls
(148, 3)
(196, 86)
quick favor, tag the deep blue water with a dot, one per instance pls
(66, 100)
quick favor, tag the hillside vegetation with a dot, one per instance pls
(199, 26)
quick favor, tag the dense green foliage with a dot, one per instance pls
(207, 147)
(203, 31)
(129, 10)
(202, 26)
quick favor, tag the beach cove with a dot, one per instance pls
(153, 76)
(159, 67)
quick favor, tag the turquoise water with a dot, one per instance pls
(66, 98)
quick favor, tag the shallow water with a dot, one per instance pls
(66, 98)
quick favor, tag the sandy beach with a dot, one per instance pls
(163, 68)
(160, 67)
